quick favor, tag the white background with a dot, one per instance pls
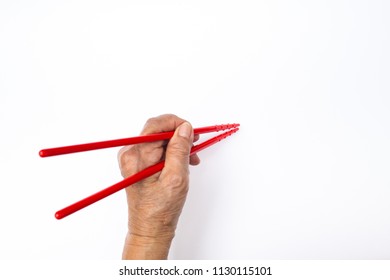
(306, 177)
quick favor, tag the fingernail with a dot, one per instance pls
(185, 130)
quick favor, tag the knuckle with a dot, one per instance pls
(168, 116)
(178, 179)
(121, 156)
(150, 122)
(126, 156)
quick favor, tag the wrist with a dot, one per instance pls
(156, 227)
(147, 247)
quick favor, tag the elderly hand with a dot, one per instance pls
(155, 203)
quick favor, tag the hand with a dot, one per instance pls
(155, 203)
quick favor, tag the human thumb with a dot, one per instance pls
(178, 151)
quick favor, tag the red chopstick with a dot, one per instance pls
(135, 178)
(126, 141)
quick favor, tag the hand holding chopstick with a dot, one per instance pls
(134, 178)
(232, 128)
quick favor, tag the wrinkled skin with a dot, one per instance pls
(155, 203)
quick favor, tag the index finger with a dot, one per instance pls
(162, 123)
